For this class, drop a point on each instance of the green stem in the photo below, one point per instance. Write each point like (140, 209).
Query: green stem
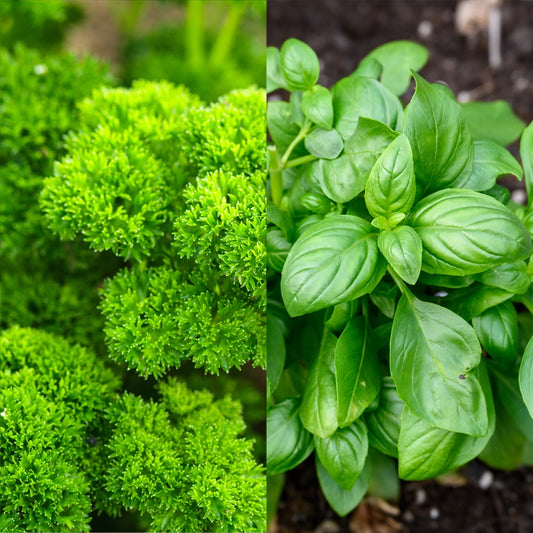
(194, 34)
(300, 161)
(276, 180)
(226, 35)
(301, 135)
(399, 282)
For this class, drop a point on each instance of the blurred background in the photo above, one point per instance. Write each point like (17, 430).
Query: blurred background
(483, 50)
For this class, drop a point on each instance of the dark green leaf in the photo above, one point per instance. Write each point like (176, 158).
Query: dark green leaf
(384, 423)
(317, 106)
(281, 127)
(442, 145)
(299, 65)
(402, 248)
(334, 261)
(398, 59)
(511, 277)
(497, 330)
(319, 404)
(490, 162)
(432, 354)
(475, 299)
(338, 316)
(295, 102)
(277, 248)
(357, 371)
(384, 297)
(465, 232)
(494, 121)
(288, 442)
(275, 350)
(343, 454)
(343, 501)
(526, 154)
(526, 377)
(391, 184)
(359, 96)
(281, 219)
(326, 144)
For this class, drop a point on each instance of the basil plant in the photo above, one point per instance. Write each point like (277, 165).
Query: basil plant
(400, 296)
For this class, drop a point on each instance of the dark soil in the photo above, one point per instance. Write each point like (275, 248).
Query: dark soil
(342, 32)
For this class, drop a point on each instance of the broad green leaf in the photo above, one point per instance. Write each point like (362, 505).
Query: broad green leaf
(288, 442)
(305, 182)
(490, 162)
(359, 96)
(275, 350)
(299, 65)
(465, 232)
(402, 248)
(494, 121)
(432, 354)
(506, 446)
(334, 261)
(500, 193)
(383, 424)
(326, 144)
(277, 249)
(391, 187)
(369, 67)
(384, 482)
(281, 219)
(317, 106)
(319, 404)
(345, 177)
(295, 102)
(525, 376)
(442, 280)
(356, 370)
(281, 127)
(497, 330)
(475, 299)
(275, 79)
(398, 59)
(512, 277)
(338, 316)
(442, 145)
(343, 454)
(526, 154)
(343, 501)
(509, 392)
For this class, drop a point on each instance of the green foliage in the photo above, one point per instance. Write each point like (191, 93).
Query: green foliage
(130, 193)
(389, 241)
(182, 463)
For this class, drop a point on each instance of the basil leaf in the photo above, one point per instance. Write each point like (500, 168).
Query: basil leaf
(343, 501)
(277, 249)
(343, 454)
(369, 67)
(497, 330)
(432, 352)
(281, 127)
(384, 297)
(276, 350)
(345, 177)
(474, 300)
(275, 79)
(512, 277)
(465, 232)
(334, 261)
(494, 121)
(317, 106)
(490, 162)
(281, 219)
(442, 145)
(337, 317)
(398, 59)
(526, 154)
(391, 185)
(295, 102)
(357, 371)
(383, 423)
(442, 280)
(326, 144)
(359, 96)
(525, 376)
(299, 65)
(506, 446)
(319, 404)
(288, 442)
(402, 248)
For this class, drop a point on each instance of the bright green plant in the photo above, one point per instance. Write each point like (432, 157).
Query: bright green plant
(149, 249)
(399, 276)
